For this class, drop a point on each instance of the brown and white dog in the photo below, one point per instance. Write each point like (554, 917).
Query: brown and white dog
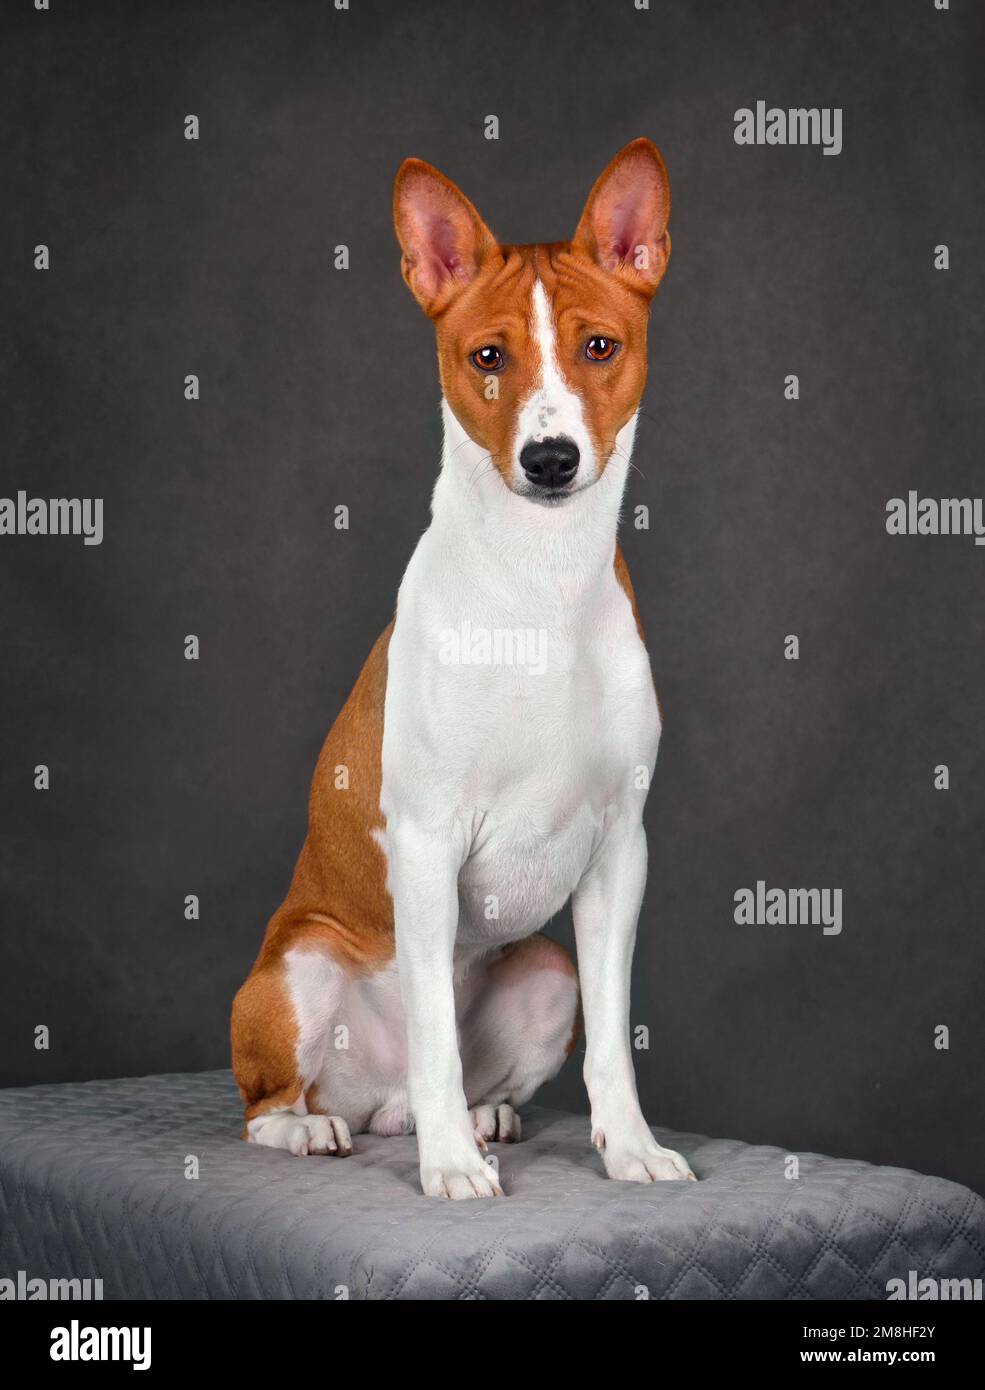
(493, 758)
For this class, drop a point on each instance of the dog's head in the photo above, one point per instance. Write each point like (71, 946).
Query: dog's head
(541, 349)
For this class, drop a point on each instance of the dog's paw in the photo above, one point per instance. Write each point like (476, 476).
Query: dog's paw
(459, 1176)
(319, 1134)
(495, 1124)
(641, 1160)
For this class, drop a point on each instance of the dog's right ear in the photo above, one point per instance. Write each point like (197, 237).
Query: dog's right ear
(443, 238)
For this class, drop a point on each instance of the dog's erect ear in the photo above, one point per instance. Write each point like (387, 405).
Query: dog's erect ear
(444, 240)
(624, 225)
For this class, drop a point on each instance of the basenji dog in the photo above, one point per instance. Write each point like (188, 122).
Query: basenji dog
(494, 755)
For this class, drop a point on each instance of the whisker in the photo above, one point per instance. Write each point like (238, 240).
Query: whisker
(490, 469)
(485, 459)
(491, 460)
(614, 448)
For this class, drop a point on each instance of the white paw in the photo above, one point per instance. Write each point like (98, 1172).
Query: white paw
(319, 1134)
(495, 1124)
(462, 1176)
(641, 1159)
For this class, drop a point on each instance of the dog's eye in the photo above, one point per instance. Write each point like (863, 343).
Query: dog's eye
(600, 349)
(488, 359)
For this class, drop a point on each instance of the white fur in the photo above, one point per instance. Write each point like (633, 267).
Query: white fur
(509, 785)
(498, 781)
(302, 1135)
(351, 1044)
(552, 408)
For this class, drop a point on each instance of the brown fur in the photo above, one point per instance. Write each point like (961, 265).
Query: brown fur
(622, 574)
(337, 901)
(478, 293)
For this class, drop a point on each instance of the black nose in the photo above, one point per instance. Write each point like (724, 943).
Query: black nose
(550, 464)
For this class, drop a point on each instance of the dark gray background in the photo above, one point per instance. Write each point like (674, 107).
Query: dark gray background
(319, 387)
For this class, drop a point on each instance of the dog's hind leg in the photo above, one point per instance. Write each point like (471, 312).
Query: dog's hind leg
(281, 1026)
(521, 1019)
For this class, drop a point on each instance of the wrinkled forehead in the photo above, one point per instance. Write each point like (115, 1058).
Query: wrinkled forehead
(499, 301)
(541, 286)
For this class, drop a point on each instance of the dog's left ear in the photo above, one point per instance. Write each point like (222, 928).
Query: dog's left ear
(624, 224)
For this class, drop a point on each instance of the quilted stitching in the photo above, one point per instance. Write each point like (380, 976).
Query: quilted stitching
(92, 1184)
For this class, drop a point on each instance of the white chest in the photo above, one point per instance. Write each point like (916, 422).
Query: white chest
(527, 727)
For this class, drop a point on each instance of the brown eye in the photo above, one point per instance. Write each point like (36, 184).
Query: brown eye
(600, 349)
(488, 359)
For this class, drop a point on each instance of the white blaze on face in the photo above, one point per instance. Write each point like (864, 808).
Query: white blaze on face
(553, 408)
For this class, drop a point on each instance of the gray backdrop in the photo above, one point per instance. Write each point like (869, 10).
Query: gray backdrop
(318, 387)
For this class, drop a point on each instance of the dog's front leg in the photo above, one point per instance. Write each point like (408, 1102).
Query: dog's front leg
(605, 906)
(424, 867)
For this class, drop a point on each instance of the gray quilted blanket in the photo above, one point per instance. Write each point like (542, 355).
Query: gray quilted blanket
(145, 1184)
